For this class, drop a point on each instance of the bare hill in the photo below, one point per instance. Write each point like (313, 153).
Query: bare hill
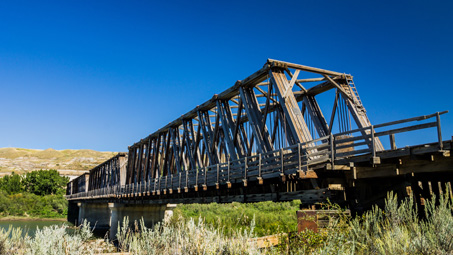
(68, 162)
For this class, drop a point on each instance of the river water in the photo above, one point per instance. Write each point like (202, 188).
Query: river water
(29, 226)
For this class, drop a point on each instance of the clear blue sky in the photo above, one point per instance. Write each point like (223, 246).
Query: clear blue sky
(103, 74)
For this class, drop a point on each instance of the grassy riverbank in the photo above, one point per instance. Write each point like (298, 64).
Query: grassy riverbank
(269, 217)
(395, 229)
(31, 218)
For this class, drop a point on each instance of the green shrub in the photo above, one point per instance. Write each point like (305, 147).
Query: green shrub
(38, 194)
(21, 204)
(44, 182)
(11, 184)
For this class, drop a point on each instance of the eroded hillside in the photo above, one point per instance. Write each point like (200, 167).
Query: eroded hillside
(68, 162)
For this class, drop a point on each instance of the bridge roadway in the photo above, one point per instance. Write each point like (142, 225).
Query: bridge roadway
(256, 142)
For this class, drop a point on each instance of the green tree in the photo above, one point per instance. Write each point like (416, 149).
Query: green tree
(12, 184)
(44, 182)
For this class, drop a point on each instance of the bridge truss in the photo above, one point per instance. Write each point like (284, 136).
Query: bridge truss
(272, 109)
(265, 138)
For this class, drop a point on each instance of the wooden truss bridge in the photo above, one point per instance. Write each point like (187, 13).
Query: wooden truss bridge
(266, 138)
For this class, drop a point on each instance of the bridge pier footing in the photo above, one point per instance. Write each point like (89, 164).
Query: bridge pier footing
(98, 214)
(150, 214)
(73, 213)
(108, 216)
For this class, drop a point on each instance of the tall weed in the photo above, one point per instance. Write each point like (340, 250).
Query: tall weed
(396, 229)
(191, 237)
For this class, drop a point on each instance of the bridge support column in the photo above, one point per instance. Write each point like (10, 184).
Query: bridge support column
(73, 213)
(150, 214)
(98, 214)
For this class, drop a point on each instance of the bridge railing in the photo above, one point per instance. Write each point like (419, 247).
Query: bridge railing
(332, 149)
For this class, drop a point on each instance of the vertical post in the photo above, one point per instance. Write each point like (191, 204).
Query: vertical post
(332, 151)
(259, 165)
(186, 188)
(218, 174)
(245, 169)
(149, 187)
(392, 141)
(179, 182)
(166, 183)
(229, 162)
(160, 180)
(439, 132)
(298, 156)
(373, 153)
(281, 158)
(205, 176)
(196, 178)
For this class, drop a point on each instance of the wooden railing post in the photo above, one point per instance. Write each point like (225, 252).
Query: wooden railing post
(196, 180)
(179, 186)
(218, 177)
(260, 179)
(245, 169)
(332, 151)
(373, 149)
(228, 172)
(281, 158)
(392, 141)
(298, 156)
(205, 178)
(259, 165)
(439, 132)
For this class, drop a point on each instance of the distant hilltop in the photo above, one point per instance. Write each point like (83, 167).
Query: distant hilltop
(68, 162)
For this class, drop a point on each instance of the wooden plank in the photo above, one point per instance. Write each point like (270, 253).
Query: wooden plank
(406, 129)
(419, 118)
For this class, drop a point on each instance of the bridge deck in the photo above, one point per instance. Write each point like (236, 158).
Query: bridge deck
(334, 157)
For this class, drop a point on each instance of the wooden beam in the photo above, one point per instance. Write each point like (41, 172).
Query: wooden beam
(256, 119)
(298, 127)
(316, 115)
(277, 63)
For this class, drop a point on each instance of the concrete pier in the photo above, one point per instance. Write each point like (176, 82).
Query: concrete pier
(108, 216)
(96, 213)
(150, 214)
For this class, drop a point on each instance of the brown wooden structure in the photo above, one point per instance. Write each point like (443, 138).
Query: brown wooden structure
(266, 138)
